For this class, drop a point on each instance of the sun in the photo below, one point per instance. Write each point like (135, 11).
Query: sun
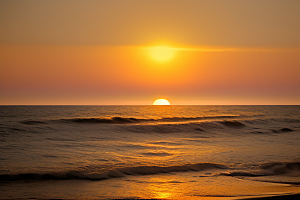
(161, 102)
(161, 53)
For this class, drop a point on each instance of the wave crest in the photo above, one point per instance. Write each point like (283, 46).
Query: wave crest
(121, 172)
(113, 120)
(281, 168)
(121, 120)
(232, 123)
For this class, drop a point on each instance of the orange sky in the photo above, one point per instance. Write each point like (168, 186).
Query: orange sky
(95, 52)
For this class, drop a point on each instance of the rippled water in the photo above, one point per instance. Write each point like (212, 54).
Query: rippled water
(149, 151)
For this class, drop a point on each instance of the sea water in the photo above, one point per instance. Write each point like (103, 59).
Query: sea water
(153, 152)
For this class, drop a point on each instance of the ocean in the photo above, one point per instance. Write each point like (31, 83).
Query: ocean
(149, 152)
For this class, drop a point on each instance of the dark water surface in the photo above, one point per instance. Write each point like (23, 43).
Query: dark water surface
(162, 152)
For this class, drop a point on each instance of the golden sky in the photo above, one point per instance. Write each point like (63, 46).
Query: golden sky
(99, 52)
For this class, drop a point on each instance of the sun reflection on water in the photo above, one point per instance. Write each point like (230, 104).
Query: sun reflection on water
(162, 188)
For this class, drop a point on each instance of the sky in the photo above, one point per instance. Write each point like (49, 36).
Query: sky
(96, 52)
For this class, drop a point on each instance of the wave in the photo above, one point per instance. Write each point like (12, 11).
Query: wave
(283, 130)
(196, 125)
(269, 169)
(232, 123)
(203, 127)
(124, 120)
(242, 174)
(32, 122)
(117, 173)
(266, 169)
(157, 154)
(281, 167)
(128, 120)
(179, 119)
(113, 120)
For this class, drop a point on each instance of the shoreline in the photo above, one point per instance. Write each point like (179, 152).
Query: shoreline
(277, 197)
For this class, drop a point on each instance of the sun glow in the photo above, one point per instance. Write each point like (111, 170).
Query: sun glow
(161, 102)
(161, 53)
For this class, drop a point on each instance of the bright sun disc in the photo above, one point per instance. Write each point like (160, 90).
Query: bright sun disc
(161, 102)
(161, 53)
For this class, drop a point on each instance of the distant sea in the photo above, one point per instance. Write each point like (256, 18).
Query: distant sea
(149, 152)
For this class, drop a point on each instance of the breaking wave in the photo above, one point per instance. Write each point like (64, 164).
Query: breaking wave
(264, 170)
(116, 173)
(281, 168)
(269, 169)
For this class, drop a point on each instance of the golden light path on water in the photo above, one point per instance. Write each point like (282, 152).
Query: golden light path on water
(201, 186)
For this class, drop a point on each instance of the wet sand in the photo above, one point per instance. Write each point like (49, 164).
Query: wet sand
(282, 197)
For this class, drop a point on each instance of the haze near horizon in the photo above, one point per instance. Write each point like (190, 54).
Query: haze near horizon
(133, 52)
